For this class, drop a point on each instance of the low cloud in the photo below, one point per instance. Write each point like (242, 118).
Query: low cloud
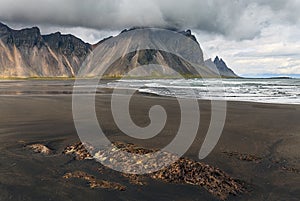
(274, 52)
(236, 19)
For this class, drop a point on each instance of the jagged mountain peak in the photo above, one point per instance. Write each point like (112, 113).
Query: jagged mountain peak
(217, 59)
(33, 32)
(220, 65)
(220, 62)
(58, 36)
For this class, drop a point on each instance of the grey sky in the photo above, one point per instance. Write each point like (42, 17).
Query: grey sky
(258, 36)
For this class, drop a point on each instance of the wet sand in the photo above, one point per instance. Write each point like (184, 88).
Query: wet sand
(259, 146)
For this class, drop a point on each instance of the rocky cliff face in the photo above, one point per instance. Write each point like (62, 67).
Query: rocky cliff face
(27, 53)
(137, 47)
(221, 66)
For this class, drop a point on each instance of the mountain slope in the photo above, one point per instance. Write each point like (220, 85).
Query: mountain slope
(27, 53)
(141, 46)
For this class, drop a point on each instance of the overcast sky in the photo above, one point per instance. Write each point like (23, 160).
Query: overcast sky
(254, 37)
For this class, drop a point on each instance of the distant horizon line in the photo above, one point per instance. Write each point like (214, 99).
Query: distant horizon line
(270, 76)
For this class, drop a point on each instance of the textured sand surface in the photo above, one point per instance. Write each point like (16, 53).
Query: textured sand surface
(259, 146)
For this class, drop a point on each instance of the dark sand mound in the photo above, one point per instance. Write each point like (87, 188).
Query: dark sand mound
(184, 171)
(79, 151)
(93, 182)
(39, 148)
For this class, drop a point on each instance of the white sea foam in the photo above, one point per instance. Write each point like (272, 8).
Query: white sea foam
(284, 91)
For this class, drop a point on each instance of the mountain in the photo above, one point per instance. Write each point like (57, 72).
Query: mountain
(221, 66)
(137, 47)
(27, 53)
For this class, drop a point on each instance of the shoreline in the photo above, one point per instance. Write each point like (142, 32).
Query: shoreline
(67, 90)
(66, 86)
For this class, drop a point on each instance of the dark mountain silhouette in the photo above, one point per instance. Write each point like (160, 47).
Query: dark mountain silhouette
(221, 67)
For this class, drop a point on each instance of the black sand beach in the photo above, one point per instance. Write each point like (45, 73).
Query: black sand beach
(259, 146)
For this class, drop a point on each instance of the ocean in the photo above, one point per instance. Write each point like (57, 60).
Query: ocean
(280, 91)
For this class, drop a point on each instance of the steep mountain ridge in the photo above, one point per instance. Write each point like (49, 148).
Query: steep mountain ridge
(28, 53)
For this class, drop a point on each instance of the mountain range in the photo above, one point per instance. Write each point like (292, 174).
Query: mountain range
(28, 53)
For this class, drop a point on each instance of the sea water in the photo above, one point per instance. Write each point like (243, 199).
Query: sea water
(283, 91)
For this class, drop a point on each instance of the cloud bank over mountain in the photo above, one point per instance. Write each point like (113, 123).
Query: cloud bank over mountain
(238, 19)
